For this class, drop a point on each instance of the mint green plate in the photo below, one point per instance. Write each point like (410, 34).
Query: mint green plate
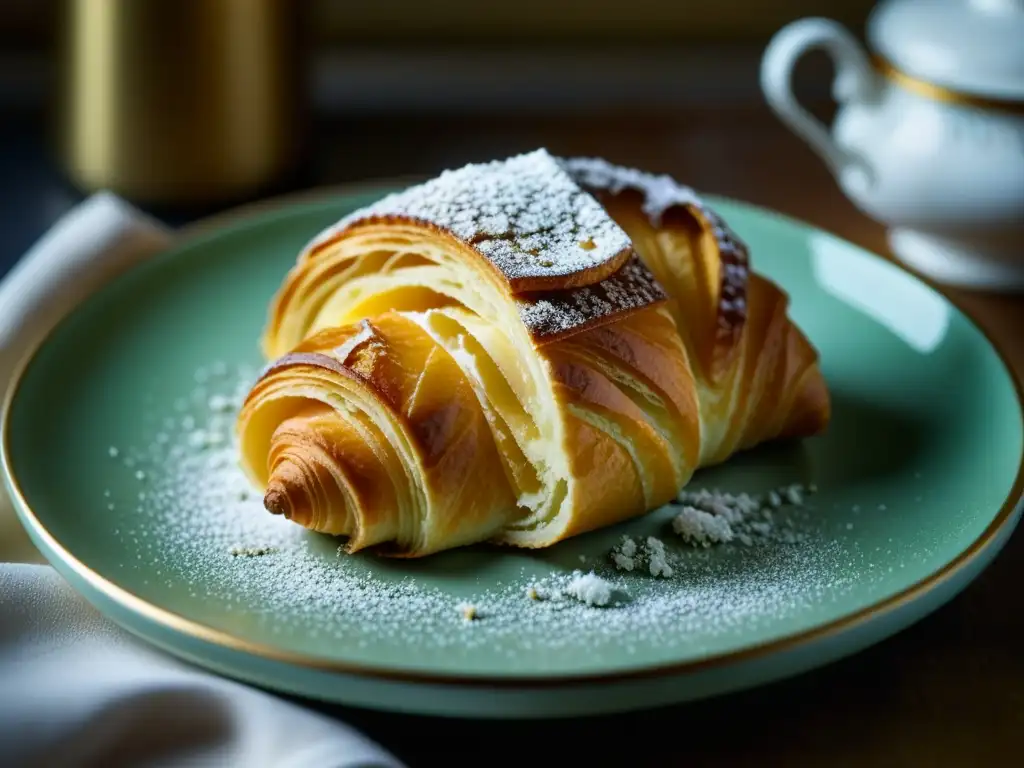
(919, 483)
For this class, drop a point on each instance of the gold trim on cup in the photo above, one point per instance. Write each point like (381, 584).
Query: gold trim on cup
(197, 631)
(941, 93)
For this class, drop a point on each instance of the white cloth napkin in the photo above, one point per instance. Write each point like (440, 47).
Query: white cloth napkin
(92, 243)
(75, 690)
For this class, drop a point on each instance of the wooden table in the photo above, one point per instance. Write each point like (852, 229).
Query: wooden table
(947, 692)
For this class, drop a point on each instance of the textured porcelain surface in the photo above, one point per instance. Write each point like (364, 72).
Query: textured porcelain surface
(918, 478)
(952, 173)
(975, 46)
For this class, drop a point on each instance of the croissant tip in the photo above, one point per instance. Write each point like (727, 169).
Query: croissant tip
(276, 501)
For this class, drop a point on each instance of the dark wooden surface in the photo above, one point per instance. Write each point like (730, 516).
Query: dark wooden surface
(947, 692)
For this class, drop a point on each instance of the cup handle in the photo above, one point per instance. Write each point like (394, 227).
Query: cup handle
(855, 79)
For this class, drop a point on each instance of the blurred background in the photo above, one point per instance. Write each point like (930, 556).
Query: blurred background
(187, 107)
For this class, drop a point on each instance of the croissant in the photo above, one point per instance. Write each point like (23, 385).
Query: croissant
(518, 352)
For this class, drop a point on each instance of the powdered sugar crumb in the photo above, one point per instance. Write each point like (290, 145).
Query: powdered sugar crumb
(589, 588)
(714, 517)
(702, 528)
(657, 562)
(650, 555)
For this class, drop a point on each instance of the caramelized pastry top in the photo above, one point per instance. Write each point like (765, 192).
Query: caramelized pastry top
(661, 195)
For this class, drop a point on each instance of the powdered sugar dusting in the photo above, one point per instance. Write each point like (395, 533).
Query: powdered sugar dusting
(660, 192)
(551, 314)
(202, 536)
(525, 214)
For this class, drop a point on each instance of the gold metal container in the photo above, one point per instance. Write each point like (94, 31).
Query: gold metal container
(179, 101)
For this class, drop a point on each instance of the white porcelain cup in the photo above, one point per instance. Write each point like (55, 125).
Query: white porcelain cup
(943, 169)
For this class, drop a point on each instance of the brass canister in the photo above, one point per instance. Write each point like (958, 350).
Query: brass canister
(179, 101)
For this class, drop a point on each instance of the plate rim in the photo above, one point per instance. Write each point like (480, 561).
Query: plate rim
(196, 232)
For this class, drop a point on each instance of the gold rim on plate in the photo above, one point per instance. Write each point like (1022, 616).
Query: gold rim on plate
(169, 620)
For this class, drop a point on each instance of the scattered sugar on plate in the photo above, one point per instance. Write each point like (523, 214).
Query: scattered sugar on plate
(199, 506)
(251, 551)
